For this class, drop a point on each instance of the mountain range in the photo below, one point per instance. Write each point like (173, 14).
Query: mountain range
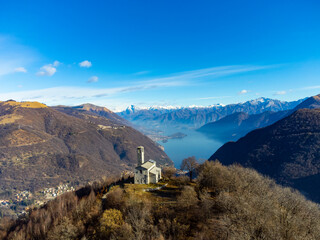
(41, 146)
(287, 150)
(195, 117)
(236, 125)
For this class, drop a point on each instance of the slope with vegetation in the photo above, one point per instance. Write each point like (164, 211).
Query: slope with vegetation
(236, 125)
(42, 147)
(101, 111)
(224, 203)
(287, 151)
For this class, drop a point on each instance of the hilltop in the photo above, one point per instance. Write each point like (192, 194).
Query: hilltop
(311, 103)
(41, 146)
(224, 203)
(12, 103)
(102, 111)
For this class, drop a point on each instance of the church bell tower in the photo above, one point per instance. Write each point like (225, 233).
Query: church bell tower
(140, 153)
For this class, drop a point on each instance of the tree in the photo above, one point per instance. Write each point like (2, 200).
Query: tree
(189, 164)
(110, 221)
(168, 172)
(188, 197)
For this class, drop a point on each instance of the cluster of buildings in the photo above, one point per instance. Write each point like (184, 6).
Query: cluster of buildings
(145, 173)
(111, 127)
(24, 195)
(51, 193)
(17, 199)
(4, 203)
(24, 200)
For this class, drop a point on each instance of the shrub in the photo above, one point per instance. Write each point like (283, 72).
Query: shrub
(181, 181)
(168, 172)
(110, 221)
(188, 197)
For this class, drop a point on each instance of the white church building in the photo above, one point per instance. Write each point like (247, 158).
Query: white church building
(146, 172)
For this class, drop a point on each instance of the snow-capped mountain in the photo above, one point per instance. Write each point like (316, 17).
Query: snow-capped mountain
(196, 116)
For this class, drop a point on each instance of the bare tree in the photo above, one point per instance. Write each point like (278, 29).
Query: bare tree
(188, 197)
(168, 172)
(189, 164)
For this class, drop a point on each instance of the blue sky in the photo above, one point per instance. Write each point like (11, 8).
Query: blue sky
(181, 53)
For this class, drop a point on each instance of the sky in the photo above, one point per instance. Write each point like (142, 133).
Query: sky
(117, 53)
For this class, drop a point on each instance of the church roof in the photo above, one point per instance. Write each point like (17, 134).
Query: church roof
(155, 170)
(147, 165)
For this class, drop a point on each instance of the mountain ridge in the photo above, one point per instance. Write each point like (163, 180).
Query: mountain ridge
(287, 150)
(232, 127)
(40, 147)
(196, 117)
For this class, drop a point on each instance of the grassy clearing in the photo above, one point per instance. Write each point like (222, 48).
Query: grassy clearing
(167, 194)
(11, 118)
(25, 104)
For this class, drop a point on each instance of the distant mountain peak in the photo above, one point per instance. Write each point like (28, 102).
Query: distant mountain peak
(196, 116)
(268, 101)
(311, 103)
(92, 107)
(133, 108)
(263, 100)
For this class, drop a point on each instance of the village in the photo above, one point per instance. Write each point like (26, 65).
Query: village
(22, 201)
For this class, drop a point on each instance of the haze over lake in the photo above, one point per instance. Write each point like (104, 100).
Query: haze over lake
(194, 144)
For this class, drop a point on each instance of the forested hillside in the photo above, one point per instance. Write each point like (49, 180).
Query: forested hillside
(223, 203)
(287, 151)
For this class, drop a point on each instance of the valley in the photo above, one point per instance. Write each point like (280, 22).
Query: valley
(282, 145)
(202, 139)
(159, 120)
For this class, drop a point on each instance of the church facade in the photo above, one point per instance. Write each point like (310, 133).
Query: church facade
(146, 172)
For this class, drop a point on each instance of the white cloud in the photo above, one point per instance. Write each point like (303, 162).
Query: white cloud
(117, 96)
(77, 95)
(244, 91)
(47, 70)
(56, 63)
(280, 93)
(310, 88)
(93, 79)
(213, 72)
(85, 63)
(20, 69)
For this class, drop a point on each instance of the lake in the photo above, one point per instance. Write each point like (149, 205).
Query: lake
(194, 144)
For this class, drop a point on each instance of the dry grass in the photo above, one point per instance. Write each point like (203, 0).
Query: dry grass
(25, 104)
(23, 138)
(11, 118)
(166, 195)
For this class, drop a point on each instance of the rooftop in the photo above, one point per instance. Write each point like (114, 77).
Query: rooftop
(148, 165)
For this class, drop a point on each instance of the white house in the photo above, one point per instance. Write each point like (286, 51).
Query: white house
(146, 172)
